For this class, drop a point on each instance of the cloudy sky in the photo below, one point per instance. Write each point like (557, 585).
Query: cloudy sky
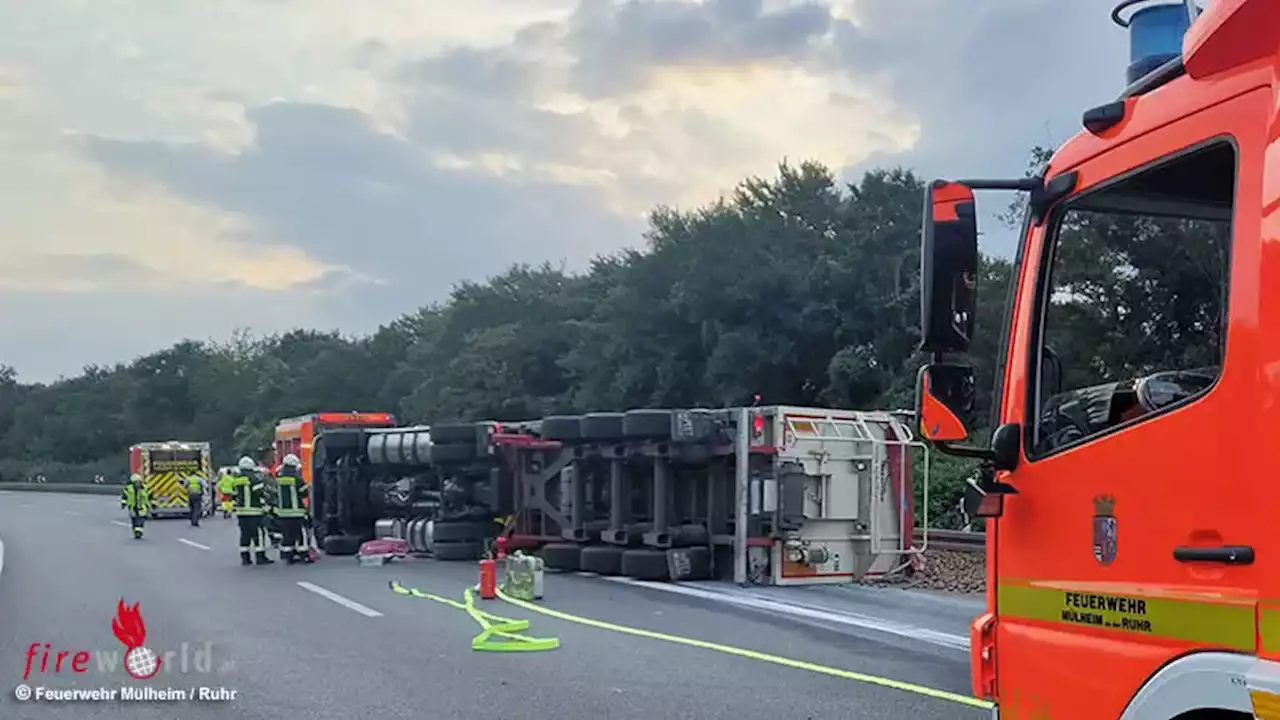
(182, 169)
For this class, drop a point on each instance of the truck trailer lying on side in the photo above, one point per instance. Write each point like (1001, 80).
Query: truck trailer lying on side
(776, 495)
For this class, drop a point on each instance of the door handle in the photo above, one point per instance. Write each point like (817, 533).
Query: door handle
(1227, 554)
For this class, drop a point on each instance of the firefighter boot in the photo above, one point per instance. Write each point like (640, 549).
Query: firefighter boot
(262, 559)
(137, 533)
(245, 559)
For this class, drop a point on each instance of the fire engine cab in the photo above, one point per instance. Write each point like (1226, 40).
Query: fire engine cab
(1133, 552)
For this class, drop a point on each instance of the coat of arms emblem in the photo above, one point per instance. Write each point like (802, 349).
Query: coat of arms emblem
(1104, 529)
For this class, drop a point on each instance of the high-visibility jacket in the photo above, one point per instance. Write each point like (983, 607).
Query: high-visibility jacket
(226, 485)
(247, 493)
(136, 498)
(292, 494)
(195, 485)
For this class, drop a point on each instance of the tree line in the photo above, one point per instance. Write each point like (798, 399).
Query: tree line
(794, 288)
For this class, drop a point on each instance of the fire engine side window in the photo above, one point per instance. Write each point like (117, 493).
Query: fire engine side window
(1134, 310)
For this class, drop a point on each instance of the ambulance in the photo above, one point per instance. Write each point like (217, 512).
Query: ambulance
(165, 467)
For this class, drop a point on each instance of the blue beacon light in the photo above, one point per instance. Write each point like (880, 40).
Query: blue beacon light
(1155, 34)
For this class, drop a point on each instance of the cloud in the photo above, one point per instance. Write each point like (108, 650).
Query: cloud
(366, 158)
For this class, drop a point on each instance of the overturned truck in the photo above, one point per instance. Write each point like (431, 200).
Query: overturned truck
(770, 495)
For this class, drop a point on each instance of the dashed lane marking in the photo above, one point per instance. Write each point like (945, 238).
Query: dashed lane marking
(343, 601)
(755, 602)
(194, 544)
(71, 512)
(121, 523)
(912, 688)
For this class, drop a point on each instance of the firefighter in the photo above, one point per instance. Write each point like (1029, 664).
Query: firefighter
(195, 498)
(226, 490)
(136, 498)
(290, 510)
(250, 508)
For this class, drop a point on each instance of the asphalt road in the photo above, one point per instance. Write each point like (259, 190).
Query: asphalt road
(342, 645)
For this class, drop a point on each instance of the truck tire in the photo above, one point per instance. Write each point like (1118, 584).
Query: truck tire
(690, 536)
(339, 545)
(647, 424)
(562, 556)
(693, 426)
(602, 426)
(463, 531)
(645, 564)
(455, 434)
(458, 551)
(602, 559)
(562, 427)
(594, 528)
(453, 453)
(691, 563)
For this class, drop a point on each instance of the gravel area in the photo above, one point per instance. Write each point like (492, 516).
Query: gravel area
(948, 570)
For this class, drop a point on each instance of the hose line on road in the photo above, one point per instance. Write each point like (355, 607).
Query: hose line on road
(752, 655)
(505, 630)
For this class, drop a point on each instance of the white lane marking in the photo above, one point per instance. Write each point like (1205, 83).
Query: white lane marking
(121, 523)
(194, 544)
(71, 512)
(344, 602)
(934, 637)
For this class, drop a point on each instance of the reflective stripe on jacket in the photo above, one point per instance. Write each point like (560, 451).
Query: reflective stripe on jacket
(247, 494)
(137, 498)
(292, 492)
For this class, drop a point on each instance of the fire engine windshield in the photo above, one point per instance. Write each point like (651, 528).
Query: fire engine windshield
(1133, 309)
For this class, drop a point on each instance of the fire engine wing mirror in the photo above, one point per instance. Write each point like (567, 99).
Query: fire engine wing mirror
(948, 268)
(944, 399)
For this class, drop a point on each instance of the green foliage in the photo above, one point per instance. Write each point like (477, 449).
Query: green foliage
(793, 288)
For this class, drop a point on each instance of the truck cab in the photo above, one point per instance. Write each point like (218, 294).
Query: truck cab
(1131, 538)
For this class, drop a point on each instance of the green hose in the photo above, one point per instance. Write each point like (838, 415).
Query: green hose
(497, 634)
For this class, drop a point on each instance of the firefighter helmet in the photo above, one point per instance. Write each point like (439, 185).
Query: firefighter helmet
(246, 463)
(291, 460)
(135, 478)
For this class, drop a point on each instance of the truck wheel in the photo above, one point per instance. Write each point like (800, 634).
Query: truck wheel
(602, 426)
(692, 563)
(689, 536)
(562, 427)
(602, 559)
(457, 434)
(562, 556)
(341, 545)
(647, 424)
(458, 551)
(463, 531)
(645, 564)
(453, 453)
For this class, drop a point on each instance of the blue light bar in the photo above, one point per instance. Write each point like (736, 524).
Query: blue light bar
(1155, 38)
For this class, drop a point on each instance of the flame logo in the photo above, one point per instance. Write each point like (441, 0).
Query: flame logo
(129, 628)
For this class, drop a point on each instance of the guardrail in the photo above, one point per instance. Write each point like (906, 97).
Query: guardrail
(954, 540)
(76, 488)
